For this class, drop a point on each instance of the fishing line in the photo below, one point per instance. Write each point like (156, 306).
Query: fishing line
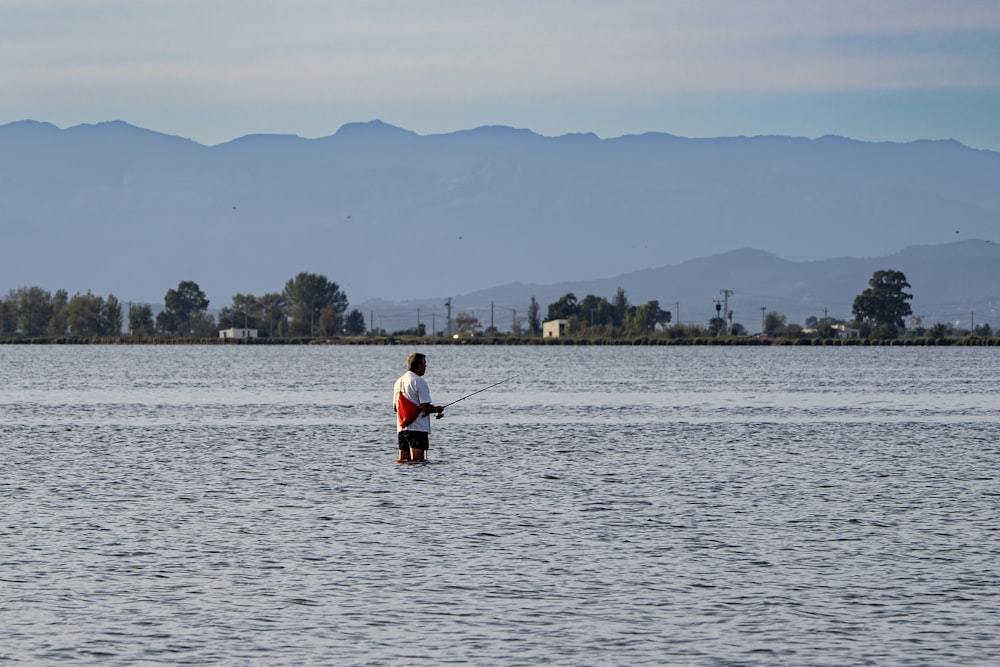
(478, 391)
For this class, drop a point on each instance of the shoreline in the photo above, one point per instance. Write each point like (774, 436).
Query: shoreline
(750, 341)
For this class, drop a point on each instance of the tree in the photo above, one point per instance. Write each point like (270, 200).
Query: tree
(419, 330)
(466, 323)
(203, 325)
(717, 326)
(884, 303)
(645, 318)
(34, 310)
(306, 295)
(774, 323)
(938, 331)
(589, 310)
(58, 324)
(597, 311)
(8, 318)
(184, 310)
(620, 305)
(85, 315)
(534, 318)
(273, 315)
(657, 317)
(565, 308)
(113, 319)
(140, 320)
(242, 314)
(354, 325)
(329, 321)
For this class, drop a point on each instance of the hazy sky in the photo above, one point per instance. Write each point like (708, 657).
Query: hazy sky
(213, 70)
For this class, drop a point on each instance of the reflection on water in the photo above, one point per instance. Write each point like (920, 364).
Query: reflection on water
(701, 506)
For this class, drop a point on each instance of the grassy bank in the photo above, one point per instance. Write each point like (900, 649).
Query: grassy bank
(977, 341)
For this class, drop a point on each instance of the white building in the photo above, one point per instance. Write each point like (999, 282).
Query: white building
(237, 334)
(844, 331)
(554, 328)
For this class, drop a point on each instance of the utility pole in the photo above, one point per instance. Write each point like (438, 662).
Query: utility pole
(447, 304)
(433, 323)
(492, 328)
(763, 318)
(418, 320)
(677, 317)
(725, 308)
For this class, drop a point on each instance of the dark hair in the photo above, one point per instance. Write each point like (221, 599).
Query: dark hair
(414, 360)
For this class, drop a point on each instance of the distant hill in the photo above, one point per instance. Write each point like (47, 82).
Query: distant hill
(390, 214)
(949, 283)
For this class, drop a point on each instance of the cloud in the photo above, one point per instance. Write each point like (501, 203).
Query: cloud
(447, 47)
(158, 60)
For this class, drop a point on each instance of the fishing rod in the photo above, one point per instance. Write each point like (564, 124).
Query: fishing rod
(478, 391)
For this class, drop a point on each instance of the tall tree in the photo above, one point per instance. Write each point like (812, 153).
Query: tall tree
(354, 325)
(774, 323)
(620, 304)
(656, 316)
(184, 309)
(307, 295)
(884, 303)
(589, 310)
(273, 316)
(534, 318)
(58, 323)
(85, 315)
(140, 320)
(34, 310)
(113, 319)
(8, 318)
(330, 321)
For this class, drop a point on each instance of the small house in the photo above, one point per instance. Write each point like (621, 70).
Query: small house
(236, 334)
(844, 331)
(554, 328)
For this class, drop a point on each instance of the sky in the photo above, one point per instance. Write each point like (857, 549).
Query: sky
(215, 70)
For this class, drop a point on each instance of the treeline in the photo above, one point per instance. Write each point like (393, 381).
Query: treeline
(881, 313)
(309, 305)
(312, 306)
(615, 317)
(33, 312)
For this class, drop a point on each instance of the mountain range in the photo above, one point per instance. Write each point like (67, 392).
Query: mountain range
(496, 213)
(956, 283)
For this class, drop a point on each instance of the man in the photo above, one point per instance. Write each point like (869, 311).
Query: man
(411, 401)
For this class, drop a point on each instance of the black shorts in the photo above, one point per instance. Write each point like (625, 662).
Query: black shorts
(413, 440)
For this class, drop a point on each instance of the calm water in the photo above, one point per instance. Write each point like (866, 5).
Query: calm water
(610, 506)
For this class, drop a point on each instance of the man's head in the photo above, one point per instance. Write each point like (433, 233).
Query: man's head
(416, 362)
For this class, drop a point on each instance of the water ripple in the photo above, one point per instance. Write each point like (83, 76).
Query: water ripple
(177, 506)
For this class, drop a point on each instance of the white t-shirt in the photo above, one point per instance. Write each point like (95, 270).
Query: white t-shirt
(415, 389)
